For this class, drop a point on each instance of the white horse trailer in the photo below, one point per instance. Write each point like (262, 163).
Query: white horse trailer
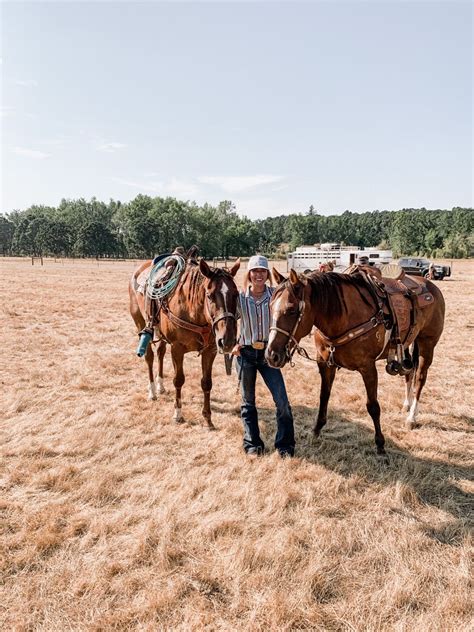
(309, 258)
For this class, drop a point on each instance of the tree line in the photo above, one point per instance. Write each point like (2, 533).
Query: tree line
(150, 225)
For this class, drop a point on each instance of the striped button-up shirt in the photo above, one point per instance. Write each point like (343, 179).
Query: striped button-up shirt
(254, 317)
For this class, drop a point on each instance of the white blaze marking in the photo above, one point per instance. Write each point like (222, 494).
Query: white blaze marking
(275, 316)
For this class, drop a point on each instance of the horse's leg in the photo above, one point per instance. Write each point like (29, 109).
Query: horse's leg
(207, 360)
(140, 324)
(160, 352)
(177, 355)
(327, 378)
(408, 390)
(425, 358)
(370, 377)
(149, 355)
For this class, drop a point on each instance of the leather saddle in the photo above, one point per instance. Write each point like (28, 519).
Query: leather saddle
(400, 296)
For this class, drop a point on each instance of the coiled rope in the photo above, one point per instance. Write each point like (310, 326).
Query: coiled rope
(155, 288)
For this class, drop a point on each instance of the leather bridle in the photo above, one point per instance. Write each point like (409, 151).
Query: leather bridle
(289, 352)
(217, 318)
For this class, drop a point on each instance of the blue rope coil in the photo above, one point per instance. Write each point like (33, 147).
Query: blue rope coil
(158, 290)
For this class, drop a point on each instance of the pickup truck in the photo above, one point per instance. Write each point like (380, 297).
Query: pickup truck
(418, 266)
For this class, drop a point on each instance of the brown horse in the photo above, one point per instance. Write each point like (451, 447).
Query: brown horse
(199, 316)
(339, 305)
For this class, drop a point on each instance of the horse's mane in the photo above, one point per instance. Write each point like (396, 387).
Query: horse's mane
(196, 279)
(328, 291)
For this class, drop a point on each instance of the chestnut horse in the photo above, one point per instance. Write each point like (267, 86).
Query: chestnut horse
(336, 304)
(199, 316)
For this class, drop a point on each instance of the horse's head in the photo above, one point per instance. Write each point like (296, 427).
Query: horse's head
(221, 303)
(288, 310)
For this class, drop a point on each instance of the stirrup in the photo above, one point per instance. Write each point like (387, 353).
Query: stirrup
(393, 367)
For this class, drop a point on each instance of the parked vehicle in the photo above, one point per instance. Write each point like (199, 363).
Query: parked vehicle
(418, 266)
(308, 258)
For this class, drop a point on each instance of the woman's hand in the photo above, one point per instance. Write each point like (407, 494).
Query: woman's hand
(236, 350)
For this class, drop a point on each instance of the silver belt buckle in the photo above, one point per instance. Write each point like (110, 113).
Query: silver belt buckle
(258, 345)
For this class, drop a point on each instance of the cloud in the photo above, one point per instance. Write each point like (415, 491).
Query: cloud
(260, 207)
(173, 187)
(181, 188)
(110, 147)
(236, 184)
(6, 110)
(30, 153)
(27, 83)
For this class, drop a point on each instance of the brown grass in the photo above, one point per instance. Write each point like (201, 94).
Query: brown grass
(114, 518)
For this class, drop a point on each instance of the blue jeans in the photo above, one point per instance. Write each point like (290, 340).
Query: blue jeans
(249, 362)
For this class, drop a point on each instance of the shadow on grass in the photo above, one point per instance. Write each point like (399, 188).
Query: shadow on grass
(347, 448)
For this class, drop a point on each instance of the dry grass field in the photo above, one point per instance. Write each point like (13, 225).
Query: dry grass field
(115, 518)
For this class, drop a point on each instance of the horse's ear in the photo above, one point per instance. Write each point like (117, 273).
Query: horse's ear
(205, 269)
(295, 280)
(277, 277)
(235, 268)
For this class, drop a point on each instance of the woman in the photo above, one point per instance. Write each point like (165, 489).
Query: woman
(250, 351)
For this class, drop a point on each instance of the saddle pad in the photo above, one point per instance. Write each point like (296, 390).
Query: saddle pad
(142, 280)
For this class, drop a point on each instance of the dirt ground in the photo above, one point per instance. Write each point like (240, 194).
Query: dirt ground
(116, 518)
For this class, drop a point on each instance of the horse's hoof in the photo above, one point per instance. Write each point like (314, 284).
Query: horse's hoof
(178, 416)
(410, 424)
(383, 457)
(209, 425)
(152, 397)
(152, 391)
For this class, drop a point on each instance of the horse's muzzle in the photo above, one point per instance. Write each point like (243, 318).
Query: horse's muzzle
(276, 359)
(225, 344)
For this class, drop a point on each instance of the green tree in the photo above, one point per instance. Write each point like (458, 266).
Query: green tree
(7, 229)
(95, 239)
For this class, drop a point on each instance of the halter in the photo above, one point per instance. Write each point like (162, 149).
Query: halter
(219, 317)
(215, 320)
(291, 334)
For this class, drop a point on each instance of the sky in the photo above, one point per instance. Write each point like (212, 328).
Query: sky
(273, 105)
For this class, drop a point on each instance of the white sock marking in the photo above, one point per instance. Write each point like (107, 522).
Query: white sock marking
(411, 419)
(152, 391)
(409, 395)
